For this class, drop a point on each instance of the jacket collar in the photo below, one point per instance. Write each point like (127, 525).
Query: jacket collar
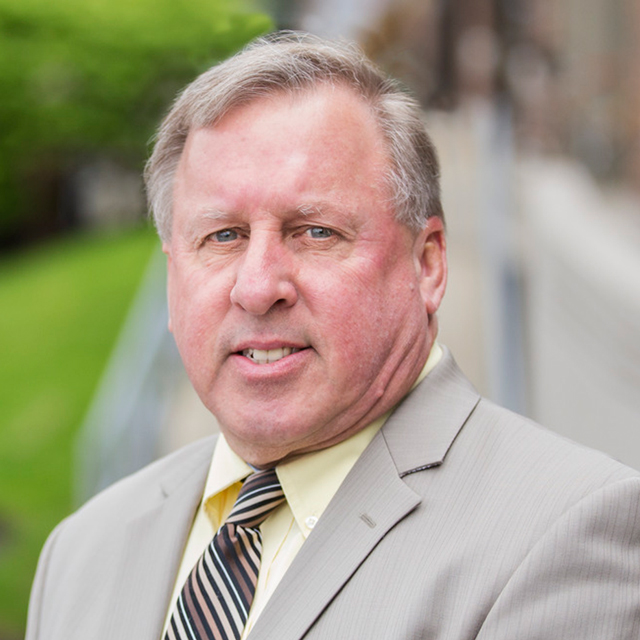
(423, 427)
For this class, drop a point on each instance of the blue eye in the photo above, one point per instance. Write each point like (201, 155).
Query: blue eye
(319, 232)
(226, 235)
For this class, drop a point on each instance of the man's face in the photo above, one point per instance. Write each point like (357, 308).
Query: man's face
(299, 305)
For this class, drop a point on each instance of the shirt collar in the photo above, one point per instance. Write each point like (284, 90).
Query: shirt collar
(310, 481)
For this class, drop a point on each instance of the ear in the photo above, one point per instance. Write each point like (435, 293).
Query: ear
(430, 254)
(166, 249)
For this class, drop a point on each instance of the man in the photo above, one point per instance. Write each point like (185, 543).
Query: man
(296, 195)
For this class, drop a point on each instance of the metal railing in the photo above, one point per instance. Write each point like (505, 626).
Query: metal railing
(121, 431)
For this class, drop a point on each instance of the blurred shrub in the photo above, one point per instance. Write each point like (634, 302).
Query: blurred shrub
(87, 78)
(63, 303)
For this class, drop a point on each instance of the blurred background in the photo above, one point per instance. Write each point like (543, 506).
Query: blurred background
(535, 108)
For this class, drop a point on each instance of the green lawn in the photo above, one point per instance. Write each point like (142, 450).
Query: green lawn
(61, 306)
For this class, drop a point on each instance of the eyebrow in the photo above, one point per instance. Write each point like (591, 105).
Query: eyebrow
(199, 223)
(309, 209)
(319, 208)
(213, 215)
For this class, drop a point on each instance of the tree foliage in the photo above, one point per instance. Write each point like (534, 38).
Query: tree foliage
(81, 78)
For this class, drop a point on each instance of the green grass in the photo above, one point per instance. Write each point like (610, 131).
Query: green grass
(61, 307)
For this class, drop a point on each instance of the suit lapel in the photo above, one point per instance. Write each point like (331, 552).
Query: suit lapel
(152, 547)
(425, 424)
(372, 499)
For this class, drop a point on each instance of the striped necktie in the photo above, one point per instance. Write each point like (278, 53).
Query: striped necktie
(215, 600)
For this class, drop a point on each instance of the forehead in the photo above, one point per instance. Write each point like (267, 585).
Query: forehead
(325, 114)
(325, 141)
(345, 106)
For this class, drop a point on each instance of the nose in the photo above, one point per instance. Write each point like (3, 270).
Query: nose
(264, 278)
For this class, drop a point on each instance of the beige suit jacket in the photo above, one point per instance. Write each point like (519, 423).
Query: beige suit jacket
(459, 521)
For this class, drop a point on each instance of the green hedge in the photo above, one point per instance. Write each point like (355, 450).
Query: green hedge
(62, 307)
(86, 78)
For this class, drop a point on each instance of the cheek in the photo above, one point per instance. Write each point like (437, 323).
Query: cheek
(359, 310)
(195, 305)
(388, 305)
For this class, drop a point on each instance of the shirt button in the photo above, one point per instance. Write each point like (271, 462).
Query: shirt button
(311, 522)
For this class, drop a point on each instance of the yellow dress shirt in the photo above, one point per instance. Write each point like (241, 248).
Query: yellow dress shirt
(309, 483)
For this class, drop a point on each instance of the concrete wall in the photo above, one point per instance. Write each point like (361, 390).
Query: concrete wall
(581, 249)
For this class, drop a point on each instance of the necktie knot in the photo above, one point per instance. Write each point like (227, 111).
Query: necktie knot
(261, 493)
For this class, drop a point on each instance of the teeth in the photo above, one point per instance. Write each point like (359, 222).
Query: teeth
(260, 356)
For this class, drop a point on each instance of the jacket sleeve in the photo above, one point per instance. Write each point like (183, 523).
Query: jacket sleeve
(581, 581)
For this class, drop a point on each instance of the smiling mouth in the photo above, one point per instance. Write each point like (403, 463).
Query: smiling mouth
(261, 356)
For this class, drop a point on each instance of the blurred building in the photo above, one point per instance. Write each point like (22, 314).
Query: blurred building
(540, 150)
(570, 68)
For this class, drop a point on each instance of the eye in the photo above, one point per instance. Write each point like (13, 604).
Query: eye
(319, 233)
(225, 235)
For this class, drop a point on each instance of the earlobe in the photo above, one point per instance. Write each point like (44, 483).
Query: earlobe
(431, 259)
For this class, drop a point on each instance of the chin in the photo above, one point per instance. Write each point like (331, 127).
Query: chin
(260, 456)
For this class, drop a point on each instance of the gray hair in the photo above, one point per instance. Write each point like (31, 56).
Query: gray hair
(291, 62)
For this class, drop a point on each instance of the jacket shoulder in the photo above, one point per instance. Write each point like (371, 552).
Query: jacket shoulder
(128, 496)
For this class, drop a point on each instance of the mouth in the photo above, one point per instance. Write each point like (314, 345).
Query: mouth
(267, 356)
